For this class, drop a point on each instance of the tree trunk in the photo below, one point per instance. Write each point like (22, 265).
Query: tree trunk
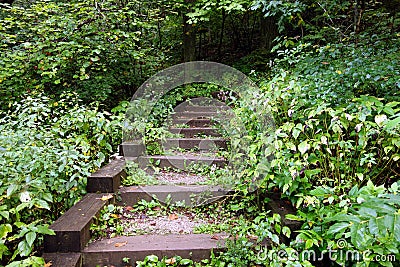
(269, 31)
(189, 36)
(355, 18)
(221, 36)
(358, 15)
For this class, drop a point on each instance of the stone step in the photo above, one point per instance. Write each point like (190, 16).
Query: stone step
(195, 114)
(200, 143)
(191, 132)
(63, 259)
(197, 108)
(132, 148)
(108, 178)
(191, 195)
(72, 229)
(181, 162)
(193, 122)
(110, 252)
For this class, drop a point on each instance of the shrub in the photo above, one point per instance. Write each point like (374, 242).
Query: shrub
(363, 224)
(47, 150)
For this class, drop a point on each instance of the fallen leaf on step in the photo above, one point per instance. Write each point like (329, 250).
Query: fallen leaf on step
(48, 264)
(215, 237)
(172, 217)
(170, 261)
(116, 216)
(117, 245)
(129, 208)
(106, 197)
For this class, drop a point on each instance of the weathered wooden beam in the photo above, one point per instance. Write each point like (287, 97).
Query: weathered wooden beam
(108, 178)
(191, 132)
(72, 229)
(63, 259)
(110, 252)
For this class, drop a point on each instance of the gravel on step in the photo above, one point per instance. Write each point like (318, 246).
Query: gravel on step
(179, 178)
(162, 225)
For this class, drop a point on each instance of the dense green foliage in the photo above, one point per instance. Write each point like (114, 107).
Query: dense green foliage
(48, 148)
(98, 51)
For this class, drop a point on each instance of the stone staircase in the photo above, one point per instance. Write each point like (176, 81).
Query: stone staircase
(70, 246)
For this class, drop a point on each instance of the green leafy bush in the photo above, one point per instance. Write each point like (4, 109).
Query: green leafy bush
(91, 48)
(364, 222)
(47, 151)
(339, 146)
(328, 131)
(338, 72)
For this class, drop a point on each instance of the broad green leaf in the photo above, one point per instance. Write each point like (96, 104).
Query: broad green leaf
(389, 110)
(23, 248)
(42, 204)
(381, 226)
(42, 229)
(373, 227)
(386, 263)
(319, 192)
(11, 189)
(275, 238)
(303, 147)
(357, 238)
(151, 258)
(344, 218)
(380, 204)
(5, 214)
(368, 212)
(360, 176)
(185, 262)
(4, 230)
(285, 188)
(388, 221)
(294, 217)
(396, 231)
(337, 227)
(30, 238)
(296, 132)
(286, 231)
(353, 191)
(391, 124)
(278, 228)
(3, 249)
(309, 243)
